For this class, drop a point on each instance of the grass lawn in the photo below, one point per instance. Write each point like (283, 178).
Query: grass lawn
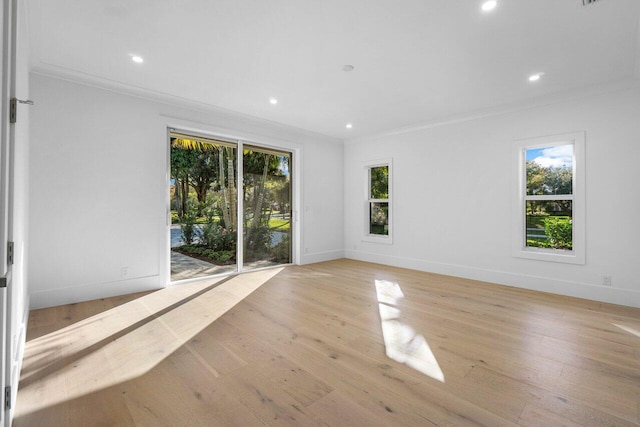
(278, 224)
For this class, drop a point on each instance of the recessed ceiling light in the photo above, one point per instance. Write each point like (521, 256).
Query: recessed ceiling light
(348, 68)
(273, 101)
(137, 59)
(535, 77)
(349, 126)
(489, 5)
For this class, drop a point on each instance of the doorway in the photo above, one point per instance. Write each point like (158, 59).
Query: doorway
(230, 206)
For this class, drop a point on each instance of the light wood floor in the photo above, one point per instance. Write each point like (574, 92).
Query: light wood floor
(309, 347)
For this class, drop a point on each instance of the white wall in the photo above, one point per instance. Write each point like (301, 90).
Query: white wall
(452, 198)
(99, 185)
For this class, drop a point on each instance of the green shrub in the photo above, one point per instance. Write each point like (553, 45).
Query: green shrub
(189, 231)
(257, 242)
(223, 256)
(203, 252)
(193, 249)
(281, 251)
(560, 232)
(537, 243)
(215, 236)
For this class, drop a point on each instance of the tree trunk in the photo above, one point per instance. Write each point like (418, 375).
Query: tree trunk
(185, 195)
(232, 189)
(201, 194)
(223, 190)
(176, 191)
(257, 211)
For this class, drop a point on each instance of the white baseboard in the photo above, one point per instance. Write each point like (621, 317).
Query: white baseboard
(606, 294)
(70, 295)
(62, 296)
(321, 257)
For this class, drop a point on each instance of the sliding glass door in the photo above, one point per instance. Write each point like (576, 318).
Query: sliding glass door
(206, 212)
(203, 194)
(266, 198)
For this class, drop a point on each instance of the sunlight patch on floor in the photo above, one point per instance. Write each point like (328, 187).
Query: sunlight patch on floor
(401, 342)
(127, 341)
(629, 329)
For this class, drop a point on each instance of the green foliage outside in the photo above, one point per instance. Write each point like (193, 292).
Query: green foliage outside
(548, 180)
(379, 211)
(211, 242)
(553, 232)
(203, 195)
(215, 236)
(281, 252)
(379, 219)
(379, 182)
(549, 222)
(211, 255)
(560, 232)
(188, 226)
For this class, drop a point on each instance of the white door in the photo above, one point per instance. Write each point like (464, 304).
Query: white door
(13, 199)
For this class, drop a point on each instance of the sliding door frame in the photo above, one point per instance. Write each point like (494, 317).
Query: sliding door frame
(295, 153)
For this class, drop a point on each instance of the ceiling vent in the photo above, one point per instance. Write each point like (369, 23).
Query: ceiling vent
(588, 2)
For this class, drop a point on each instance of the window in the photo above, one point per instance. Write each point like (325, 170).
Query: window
(549, 219)
(378, 205)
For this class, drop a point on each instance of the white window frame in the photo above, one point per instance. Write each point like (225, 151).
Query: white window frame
(519, 248)
(377, 238)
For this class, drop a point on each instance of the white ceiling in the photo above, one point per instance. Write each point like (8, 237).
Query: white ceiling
(416, 61)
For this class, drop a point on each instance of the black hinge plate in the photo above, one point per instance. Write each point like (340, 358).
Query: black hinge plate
(13, 110)
(10, 253)
(7, 397)
(3, 282)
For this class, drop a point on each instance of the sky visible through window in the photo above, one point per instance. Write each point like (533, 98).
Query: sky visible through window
(555, 156)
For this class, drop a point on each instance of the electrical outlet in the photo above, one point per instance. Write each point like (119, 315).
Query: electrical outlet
(606, 280)
(124, 272)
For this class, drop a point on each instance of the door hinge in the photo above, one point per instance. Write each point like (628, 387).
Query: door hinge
(3, 282)
(13, 108)
(7, 397)
(10, 253)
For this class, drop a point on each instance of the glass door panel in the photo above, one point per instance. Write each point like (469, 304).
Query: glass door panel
(267, 207)
(203, 197)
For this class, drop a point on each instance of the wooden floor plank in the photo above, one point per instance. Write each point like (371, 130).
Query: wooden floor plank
(307, 345)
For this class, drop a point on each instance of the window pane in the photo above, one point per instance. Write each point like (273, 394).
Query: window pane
(379, 218)
(266, 192)
(379, 182)
(202, 190)
(550, 170)
(549, 224)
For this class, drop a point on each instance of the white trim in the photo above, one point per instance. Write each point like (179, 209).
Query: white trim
(239, 207)
(595, 292)
(375, 238)
(91, 291)
(311, 258)
(518, 247)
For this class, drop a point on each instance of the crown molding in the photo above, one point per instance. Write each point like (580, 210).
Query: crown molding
(85, 79)
(543, 101)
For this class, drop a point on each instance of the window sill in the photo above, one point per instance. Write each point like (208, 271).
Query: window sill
(552, 255)
(372, 238)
